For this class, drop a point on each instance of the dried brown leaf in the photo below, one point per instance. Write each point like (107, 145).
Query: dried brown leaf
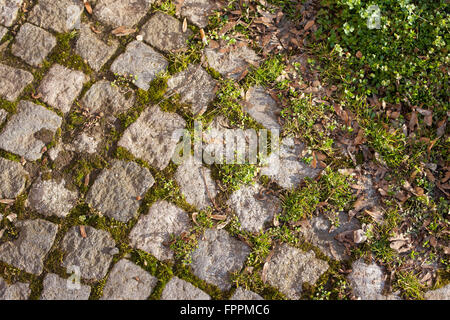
(7, 201)
(123, 31)
(184, 29)
(83, 232)
(308, 25)
(88, 7)
(219, 217)
(203, 37)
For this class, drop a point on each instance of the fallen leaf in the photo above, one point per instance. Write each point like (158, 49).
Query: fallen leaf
(122, 31)
(360, 203)
(88, 7)
(219, 217)
(308, 25)
(359, 54)
(203, 37)
(314, 160)
(86, 180)
(227, 27)
(428, 114)
(95, 30)
(360, 137)
(441, 127)
(213, 44)
(194, 217)
(413, 122)
(446, 177)
(377, 215)
(433, 241)
(36, 96)
(184, 25)
(83, 232)
(7, 201)
(400, 243)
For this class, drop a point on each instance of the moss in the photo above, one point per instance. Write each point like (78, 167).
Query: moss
(252, 281)
(181, 60)
(213, 73)
(123, 154)
(12, 275)
(9, 156)
(118, 230)
(64, 55)
(97, 289)
(161, 270)
(11, 107)
(81, 168)
(157, 88)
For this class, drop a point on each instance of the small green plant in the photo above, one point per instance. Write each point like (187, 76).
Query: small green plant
(390, 144)
(123, 81)
(408, 283)
(332, 189)
(234, 176)
(301, 203)
(268, 73)
(183, 246)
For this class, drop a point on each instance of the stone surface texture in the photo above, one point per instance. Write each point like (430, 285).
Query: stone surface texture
(261, 107)
(286, 167)
(367, 281)
(95, 51)
(16, 291)
(61, 86)
(178, 289)
(320, 233)
(116, 192)
(141, 62)
(196, 183)
(439, 294)
(60, 16)
(165, 33)
(197, 11)
(12, 179)
(195, 87)
(103, 96)
(33, 44)
(51, 198)
(8, 11)
(28, 251)
(154, 136)
(243, 294)
(218, 254)
(152, 233)
(56, 288)
(232, 61)
(128, 281)
(13, 81)
(21, 133)
(290, 267)
(121, 13)
(253, 208)
(92, 254)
